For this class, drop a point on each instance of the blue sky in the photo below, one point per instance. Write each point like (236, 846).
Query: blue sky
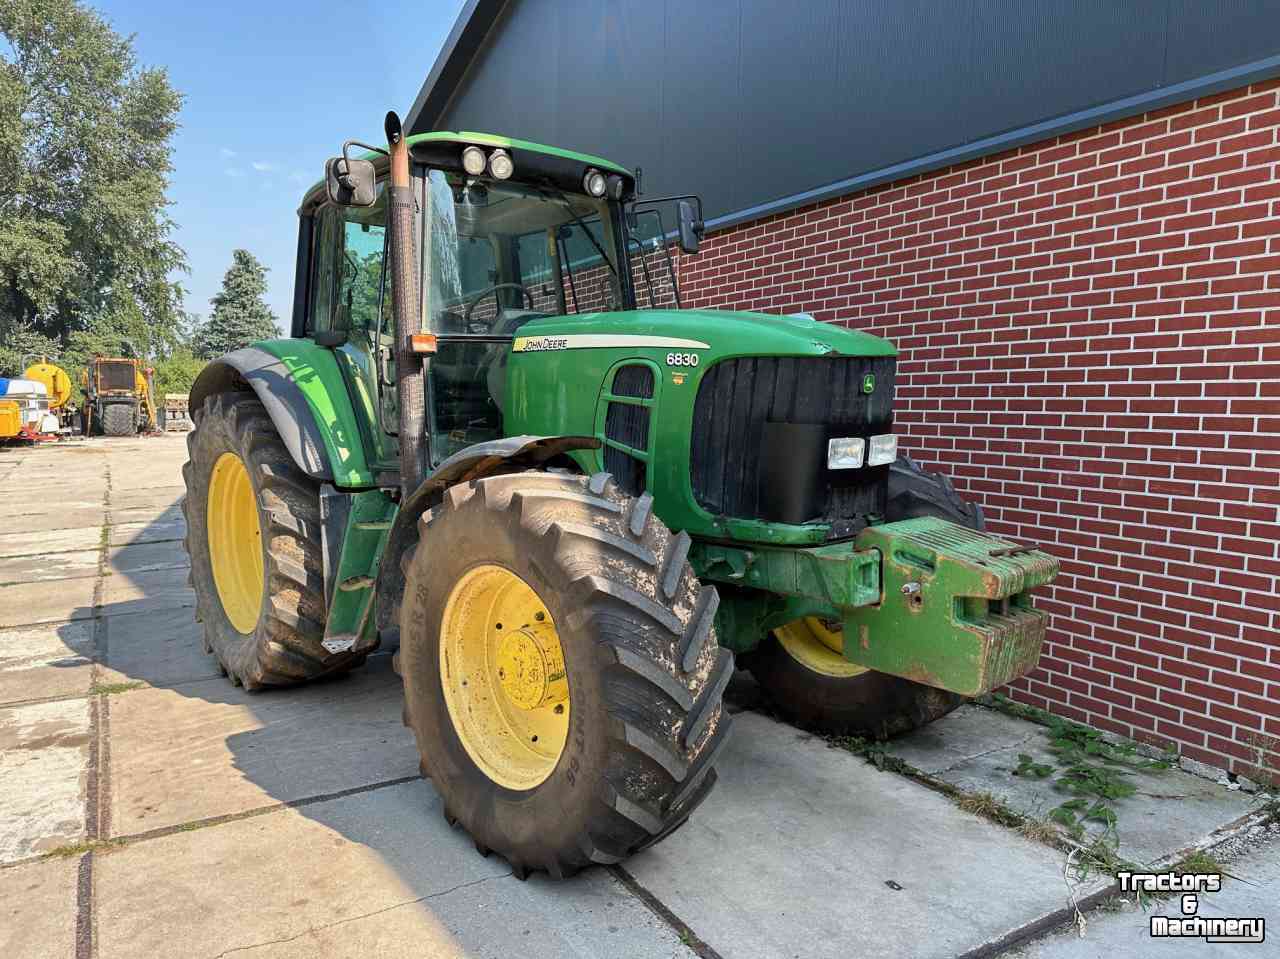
(272, 88)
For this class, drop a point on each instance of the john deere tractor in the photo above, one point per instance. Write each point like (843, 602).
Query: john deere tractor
(494, 440)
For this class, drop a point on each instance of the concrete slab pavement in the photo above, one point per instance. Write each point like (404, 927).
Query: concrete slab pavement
(208, 749)
(795, 851)
(976, 749)
(38, 910)
(44, 765)
(44, 662)
(158, 647)
(1126, 931)
(23, 604)
(141, 591)
(27, 542)
(374, 874)
(146, 557)
(169, 527)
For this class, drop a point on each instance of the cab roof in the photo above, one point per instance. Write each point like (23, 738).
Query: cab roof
(444, 148)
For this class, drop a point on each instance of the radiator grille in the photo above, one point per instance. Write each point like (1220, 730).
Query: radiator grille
(628, 424)
(738, 397)
(115, 375)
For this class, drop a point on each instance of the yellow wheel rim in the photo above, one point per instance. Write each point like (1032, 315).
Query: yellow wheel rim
(815, 645)
(503, 675)
(235, 542)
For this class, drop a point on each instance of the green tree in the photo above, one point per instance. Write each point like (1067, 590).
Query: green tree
(176, 372)
(85, 160)
(240, 313)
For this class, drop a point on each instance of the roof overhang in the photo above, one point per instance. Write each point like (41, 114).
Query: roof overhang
(474, 23)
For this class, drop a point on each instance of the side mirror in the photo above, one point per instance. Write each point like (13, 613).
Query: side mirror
(691, 228)
(350, 182)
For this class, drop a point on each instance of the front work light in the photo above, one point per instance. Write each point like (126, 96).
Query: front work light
(845, 453)
(594, 183)
(473, 160)
(501, 165)
(883, 450)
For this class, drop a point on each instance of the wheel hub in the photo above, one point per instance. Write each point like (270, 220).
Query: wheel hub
(503, 676)
(531, 667)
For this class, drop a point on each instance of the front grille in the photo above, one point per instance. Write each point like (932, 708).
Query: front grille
(628, 424)
(807, 400)
(115, 375)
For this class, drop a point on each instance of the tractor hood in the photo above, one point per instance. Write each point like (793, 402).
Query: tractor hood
(727, 333)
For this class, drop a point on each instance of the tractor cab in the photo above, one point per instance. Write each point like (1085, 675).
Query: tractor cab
(509, 233)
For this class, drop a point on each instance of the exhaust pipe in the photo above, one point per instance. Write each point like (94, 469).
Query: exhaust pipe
(410, 378)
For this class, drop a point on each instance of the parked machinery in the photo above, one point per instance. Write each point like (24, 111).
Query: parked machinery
(573, 512)
(58, 387)
(118, 398)
(24, 411)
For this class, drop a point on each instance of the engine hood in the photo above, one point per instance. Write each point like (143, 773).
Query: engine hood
(726, 332)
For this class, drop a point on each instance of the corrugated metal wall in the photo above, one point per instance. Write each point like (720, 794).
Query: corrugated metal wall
(751, 101)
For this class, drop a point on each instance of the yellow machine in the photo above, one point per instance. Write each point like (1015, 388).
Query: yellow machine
(55, 380)
(118, 398)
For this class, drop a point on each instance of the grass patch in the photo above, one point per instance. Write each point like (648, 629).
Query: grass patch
(83, 846)
(112, 689)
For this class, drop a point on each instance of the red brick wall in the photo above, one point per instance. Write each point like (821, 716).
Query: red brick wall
(1089, 336)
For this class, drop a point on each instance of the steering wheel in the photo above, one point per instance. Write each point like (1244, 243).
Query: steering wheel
(475, 301)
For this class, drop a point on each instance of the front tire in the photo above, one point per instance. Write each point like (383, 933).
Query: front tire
(802, 672)
(630, 754)
(119, 419)
(253, 537)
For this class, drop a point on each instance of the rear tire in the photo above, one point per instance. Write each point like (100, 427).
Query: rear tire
(119, 419)
(282, 645)
(825, 692)
(643, 719)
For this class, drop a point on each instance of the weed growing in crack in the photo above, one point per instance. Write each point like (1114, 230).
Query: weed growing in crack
(1093, 769)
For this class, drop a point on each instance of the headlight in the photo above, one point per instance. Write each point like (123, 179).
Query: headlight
(884, 449)
(594, 183)
(845, 453)
(473, 160)
(501, 165)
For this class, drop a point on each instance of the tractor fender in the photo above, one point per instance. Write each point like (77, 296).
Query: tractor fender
(270, 379)
(475, 462)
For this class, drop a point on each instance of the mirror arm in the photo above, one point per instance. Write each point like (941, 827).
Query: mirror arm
(344, 177)
(699, 225)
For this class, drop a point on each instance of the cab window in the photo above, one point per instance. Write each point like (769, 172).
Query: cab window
(347, 268)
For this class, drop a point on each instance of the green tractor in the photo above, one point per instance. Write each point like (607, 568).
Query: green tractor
(488, 440)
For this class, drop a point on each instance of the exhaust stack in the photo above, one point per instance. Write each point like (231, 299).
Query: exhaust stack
(410, 379)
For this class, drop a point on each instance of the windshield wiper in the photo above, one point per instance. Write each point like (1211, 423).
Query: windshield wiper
(564, 201)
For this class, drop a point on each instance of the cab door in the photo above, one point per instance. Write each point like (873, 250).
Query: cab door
(351, 312)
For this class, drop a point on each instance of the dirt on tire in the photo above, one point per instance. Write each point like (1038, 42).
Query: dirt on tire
(645, 672)
(285, 646)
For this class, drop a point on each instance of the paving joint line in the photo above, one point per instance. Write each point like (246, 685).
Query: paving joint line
(86, 942)
(121, 842)
(688, 937)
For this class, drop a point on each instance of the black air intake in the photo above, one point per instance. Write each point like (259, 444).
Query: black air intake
(628, 424)
(789, 400)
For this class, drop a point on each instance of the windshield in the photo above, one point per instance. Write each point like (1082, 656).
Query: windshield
(503, 253)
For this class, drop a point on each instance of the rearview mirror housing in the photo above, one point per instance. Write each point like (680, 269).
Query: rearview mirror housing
(350, 182)
(691, 228)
